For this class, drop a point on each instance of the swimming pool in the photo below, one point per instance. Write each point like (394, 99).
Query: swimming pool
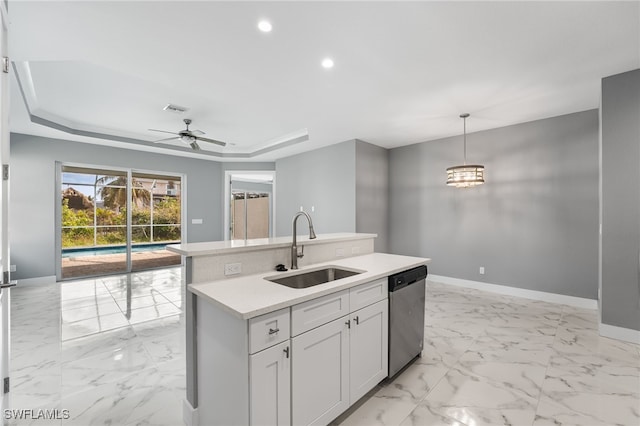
(97, 251)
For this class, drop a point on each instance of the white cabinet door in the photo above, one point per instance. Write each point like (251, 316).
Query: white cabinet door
(320, 376)
(270, 389)
(368, 348)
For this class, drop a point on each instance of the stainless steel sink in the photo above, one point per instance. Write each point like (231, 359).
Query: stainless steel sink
(314, 277)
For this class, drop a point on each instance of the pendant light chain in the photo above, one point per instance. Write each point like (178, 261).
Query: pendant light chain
(464, 120)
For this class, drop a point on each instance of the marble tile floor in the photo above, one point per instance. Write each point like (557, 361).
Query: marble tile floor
(491, 359)
(111, 351)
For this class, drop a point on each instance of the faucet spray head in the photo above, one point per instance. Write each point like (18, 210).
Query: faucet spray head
(312, 234)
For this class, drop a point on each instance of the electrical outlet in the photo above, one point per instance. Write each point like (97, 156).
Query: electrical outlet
(339, 252)
(355, 250)
(313, 209)
(301, 208)
(12, 268)
(482, 270)
(232, 268)
(196, 221)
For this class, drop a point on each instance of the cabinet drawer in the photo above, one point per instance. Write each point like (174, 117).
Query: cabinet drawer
(268, 330)
(367, 294)
(316, 312)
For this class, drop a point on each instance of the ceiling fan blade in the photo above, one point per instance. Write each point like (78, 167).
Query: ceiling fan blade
(196, 132)
(167, 139)
(211, 141)
(162, 131)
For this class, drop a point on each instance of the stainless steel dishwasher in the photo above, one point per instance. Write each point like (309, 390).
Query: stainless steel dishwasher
(406, 317)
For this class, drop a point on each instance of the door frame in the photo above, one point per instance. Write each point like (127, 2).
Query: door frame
(226, 205)
(129, 171)
(5, 253)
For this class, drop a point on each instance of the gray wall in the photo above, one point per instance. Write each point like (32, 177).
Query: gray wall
(372, 193)
(323, 178)
(533, 225)
(620, 202)
(34, 195)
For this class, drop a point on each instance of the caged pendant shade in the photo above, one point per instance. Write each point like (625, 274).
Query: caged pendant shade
(466, 175)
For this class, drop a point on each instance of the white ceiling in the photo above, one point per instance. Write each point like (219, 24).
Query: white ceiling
(403, 73)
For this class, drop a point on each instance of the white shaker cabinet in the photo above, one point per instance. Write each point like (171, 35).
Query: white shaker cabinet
(337, 363)
(270, 386)
(320, 381)
(368, 349)
(299, 365)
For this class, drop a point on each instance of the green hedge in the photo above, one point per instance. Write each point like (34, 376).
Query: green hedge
(165, 212)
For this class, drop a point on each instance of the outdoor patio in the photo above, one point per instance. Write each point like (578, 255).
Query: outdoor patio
(85, 266)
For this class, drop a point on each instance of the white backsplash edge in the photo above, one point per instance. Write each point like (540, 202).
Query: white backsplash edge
(211, 268)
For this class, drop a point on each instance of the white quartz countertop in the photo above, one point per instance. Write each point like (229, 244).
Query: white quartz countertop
(237, 246)
(252, 295)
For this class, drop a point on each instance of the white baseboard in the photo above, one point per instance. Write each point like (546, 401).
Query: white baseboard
(189, 414)
(578, 302)
(620, 333)
(51, 279)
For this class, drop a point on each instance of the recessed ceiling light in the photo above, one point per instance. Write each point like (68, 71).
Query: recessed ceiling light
(327, 63)
(265, 26)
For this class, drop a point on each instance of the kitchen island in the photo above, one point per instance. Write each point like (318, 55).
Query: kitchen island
(265, 353)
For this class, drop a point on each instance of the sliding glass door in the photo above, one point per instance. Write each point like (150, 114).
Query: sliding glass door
(115, 221)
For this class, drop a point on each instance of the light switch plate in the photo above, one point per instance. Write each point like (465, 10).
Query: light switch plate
(339, 252)
(196, 221)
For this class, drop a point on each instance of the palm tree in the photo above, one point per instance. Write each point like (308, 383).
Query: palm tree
(114, 192)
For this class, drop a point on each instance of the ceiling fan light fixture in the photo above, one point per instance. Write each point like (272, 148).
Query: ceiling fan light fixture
(466, 175)
(187, 139)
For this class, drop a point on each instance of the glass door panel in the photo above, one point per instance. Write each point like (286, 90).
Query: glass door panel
(249, 215)
(156, 217)
(94, 222)
(237, 215)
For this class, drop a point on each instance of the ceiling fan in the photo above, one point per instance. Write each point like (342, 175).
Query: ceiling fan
(189, 137)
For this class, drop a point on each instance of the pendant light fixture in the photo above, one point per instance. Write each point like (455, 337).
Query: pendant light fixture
(466, 175)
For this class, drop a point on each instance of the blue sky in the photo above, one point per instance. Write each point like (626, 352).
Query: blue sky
(81, 182)
(79, 178)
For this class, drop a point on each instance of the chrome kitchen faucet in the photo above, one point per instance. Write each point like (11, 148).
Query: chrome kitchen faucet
(294, 247)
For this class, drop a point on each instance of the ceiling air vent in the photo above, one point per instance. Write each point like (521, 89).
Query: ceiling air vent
(175, 108)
